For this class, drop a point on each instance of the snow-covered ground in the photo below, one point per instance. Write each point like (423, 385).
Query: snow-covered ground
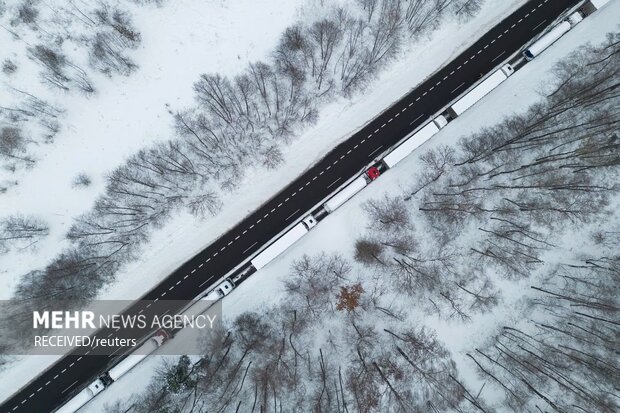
(104, 129)
(342, 227)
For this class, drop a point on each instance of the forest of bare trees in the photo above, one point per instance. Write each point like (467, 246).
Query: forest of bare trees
(236, 123)
(306, 354)
(65, 42)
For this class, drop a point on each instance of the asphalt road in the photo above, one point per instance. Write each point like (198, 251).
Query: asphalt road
(72, 372)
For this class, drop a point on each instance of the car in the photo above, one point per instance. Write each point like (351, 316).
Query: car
(222, 290)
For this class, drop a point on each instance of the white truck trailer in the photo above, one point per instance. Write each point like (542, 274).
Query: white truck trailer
(546, 40)
(279, 246)
(410, 144)
(82, 397)
(479, 91)
(345, 194)
(138, 355)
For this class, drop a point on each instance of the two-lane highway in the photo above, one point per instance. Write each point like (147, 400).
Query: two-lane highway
(72, 372)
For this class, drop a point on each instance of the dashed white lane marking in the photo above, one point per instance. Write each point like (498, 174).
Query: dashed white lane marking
(458, 68)
(265, 216)
(457, 88)
(245, 231)
(293, 194)
(363, 140)
(418, 98)
(141, 311)
(286, 200)
(63, 371)
(342, 156)
(372, 153)
(206, 281)
(207, 260)
(171, 288)
(520, 20)
(332, 184)
(248, 248)
(289, 217)
(156, 299)
(383, 126)
(314, 179)
(237, 237)
(425, 93)
(348, 152)
(273, 210)
(307, 183)
(498, 56)
(56, 376)
(389, 120)
(259, 220)
(186, 275)
(279, 205)
(485, 46)
(201, 265)
(398, 114)
(109, 335)
(513, 26)
(48, 382)
(164, 293)
(492, 41)
(194, 270)
(39, 389)
(431, 88)
(223, 248)
(370, 136)
(321, 173)
(230, 243)
(178, 282)
(376, 130)
(71, 385)
(445, 77)
(79, 358)
(416, 119)
(328, 167)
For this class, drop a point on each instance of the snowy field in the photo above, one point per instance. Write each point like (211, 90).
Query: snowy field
(342, 227)
(129, 113)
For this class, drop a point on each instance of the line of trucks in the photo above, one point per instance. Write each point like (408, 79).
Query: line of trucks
(345, 192)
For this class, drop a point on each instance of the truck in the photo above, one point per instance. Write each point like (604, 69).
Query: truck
(279, 246)
(480, 90)
(412, 142)
(83, 397)
(129, 362)
(345, 194)
(546, 40)
(223, 289)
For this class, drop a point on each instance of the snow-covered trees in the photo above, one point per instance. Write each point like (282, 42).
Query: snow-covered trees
(296, 357)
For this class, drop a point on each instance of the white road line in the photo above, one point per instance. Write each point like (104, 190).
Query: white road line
(371, 153)
(520, 20)
(245, 231)
(171, 288)
(416, 118)
(332, 184)
(79, 358)
(194, 270)
(201, 265)
(459, 67)
(479, 51)
(293, 194)
(178, 282)
(314, 179)
(307, 183)
(418, 98)
(215, 254)
(156, 299)
(389, 120)
(513, 26)
(498, 56)
(355, 147)
(398, 114)
(186, 275)
(328, 167)
(289, 217)
(39, 389)
(321, 173)
(348, 152)
(109, 335)
(148, 305)
(383, 126)
(246, 250)
(485, 46)
(223, 248)
(272, 211)
(370, 136)
(71, 385)
(56, 376)
(205, 281)
(286, 200)
(492, 41)
(259, 220)
(237, 237)
(279, 205)
(230, 243)
(451, 73)
(445, 77)
(164, 293)
(538, 25)
(139, 312)
(207, 260)
(457, 88)
(377, 130)
(425, 93)
(265, 216)
(48, 382)
(431, 88)
(342, 156)
(63, 371)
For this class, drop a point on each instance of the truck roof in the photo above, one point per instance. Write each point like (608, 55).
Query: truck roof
(479, 91)
(412, 142)
(279, 246)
